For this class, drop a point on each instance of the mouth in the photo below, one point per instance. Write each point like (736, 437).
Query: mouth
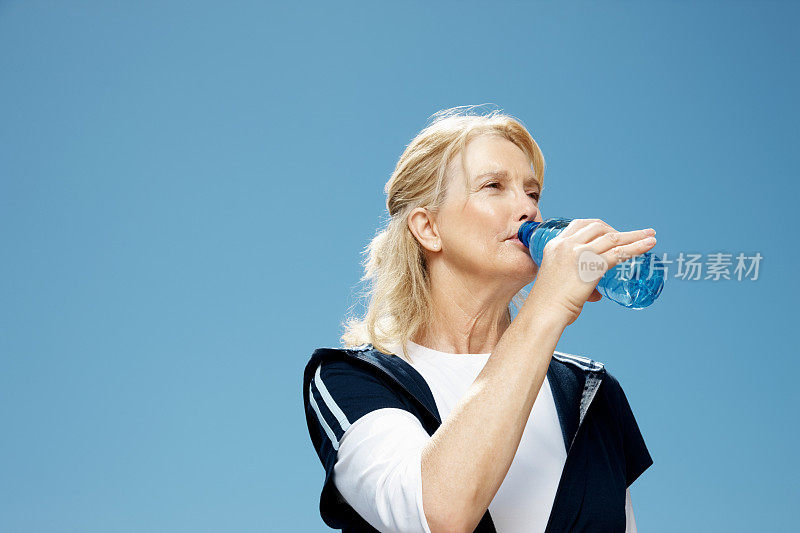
(516, 240)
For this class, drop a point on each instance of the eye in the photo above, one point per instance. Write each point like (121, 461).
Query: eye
(534, 195)
(492, 184)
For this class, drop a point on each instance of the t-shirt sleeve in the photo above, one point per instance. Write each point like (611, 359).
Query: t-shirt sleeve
(379, 470)
(637, 456)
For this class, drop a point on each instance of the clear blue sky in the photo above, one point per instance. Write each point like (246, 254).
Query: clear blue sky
(186, 187)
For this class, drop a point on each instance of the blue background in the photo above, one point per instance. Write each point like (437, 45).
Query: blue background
(186, 189)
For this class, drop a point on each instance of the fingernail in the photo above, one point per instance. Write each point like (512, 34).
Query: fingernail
(651, 231)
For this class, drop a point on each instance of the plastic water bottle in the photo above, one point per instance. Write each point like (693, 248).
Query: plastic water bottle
(628, 286)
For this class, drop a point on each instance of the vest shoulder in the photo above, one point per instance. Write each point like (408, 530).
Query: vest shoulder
(344, 351)
(580, 361)
(365, 352)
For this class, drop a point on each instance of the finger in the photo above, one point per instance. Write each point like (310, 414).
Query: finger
(619, 254)
(576, 225)
(613, 239)
(591, 231)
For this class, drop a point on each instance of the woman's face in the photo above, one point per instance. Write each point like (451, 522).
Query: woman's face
(485, 204)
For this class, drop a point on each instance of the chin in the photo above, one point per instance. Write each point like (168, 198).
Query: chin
(516, 268)
(528, 274)
(525, 267)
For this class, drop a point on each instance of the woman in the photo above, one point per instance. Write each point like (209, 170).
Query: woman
(440, 413)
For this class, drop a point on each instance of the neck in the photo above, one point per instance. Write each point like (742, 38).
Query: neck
(466, 317)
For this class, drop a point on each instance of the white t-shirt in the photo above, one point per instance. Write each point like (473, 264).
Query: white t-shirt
(379, 469)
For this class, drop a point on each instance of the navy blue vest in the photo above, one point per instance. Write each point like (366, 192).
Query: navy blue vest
(605, 449)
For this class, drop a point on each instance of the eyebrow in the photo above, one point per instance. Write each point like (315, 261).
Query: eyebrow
(529, 179)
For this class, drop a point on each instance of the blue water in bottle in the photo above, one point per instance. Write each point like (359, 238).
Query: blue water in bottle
(634, 287)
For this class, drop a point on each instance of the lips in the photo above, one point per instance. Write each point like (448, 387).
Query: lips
(515, 235)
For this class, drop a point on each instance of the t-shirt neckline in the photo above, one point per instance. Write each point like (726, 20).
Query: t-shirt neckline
(415, 350)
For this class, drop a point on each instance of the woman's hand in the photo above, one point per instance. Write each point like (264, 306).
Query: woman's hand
(559, 288)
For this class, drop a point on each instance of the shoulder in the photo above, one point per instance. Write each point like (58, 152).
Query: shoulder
(340, 387)
(343, 364)
(349, 382)
(341, 368)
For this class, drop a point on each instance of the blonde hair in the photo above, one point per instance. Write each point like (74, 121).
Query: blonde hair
(398, 295)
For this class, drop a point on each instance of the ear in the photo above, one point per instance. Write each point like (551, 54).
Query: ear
(423, 227)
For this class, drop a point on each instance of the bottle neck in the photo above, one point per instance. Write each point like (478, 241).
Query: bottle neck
(526, 231)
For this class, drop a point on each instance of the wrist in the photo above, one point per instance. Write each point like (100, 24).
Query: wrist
(550, 320)
(547, 316)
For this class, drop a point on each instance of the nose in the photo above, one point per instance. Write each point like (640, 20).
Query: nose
(527, 208)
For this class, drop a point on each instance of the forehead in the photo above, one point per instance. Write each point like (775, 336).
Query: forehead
(493, 155)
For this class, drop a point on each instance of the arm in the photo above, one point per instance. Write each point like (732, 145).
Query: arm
(468, 457)
(466, 460)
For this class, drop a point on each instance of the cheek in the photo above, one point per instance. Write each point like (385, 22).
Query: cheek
(476, 233)
(474, 250)
(489, 222)
(475, 224)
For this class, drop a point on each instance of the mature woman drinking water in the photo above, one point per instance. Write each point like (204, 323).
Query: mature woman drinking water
(440, 413)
